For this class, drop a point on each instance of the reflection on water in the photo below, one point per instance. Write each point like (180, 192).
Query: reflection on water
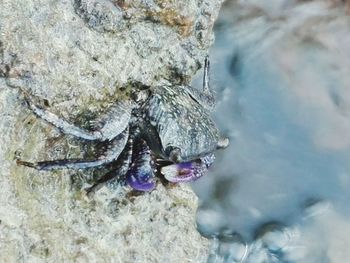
(280, 192)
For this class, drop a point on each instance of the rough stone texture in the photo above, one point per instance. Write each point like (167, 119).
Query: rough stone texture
(75, 55)
(64, 226)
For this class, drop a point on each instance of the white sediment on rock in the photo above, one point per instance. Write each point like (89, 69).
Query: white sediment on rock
(76, 54)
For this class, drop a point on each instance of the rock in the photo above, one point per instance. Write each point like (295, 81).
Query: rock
(75, 55)
(56, 224)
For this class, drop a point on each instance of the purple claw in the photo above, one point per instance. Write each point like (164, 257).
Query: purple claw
(140, 175)
(137, 184)
(187, 171)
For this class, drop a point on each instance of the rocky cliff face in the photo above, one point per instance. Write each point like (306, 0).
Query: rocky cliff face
(75, 55)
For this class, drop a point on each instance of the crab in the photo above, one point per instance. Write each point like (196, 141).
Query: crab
(165, 129)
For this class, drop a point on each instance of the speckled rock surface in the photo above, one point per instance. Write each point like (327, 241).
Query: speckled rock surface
(74, 55)
(63, 226)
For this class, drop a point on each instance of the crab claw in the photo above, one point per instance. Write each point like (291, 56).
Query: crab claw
(140, 175)
(141, 182)
(187, 171)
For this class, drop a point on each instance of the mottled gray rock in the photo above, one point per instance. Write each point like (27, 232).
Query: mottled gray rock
(75, 55)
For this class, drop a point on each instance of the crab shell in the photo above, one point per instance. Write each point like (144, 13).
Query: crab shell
(174, 119)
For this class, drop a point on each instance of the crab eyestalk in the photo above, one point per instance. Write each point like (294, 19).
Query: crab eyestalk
(141, 172)
(187, 171)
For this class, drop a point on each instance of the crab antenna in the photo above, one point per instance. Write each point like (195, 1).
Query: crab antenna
(206, 87)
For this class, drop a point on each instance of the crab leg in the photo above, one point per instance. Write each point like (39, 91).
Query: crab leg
(115, 147)
(112, 123)
(119, 170)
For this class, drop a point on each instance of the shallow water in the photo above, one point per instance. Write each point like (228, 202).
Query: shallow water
(280, 192)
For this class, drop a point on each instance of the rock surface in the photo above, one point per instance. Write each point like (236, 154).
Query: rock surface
(75, 55)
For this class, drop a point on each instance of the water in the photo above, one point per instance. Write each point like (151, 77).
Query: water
(280, 192)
